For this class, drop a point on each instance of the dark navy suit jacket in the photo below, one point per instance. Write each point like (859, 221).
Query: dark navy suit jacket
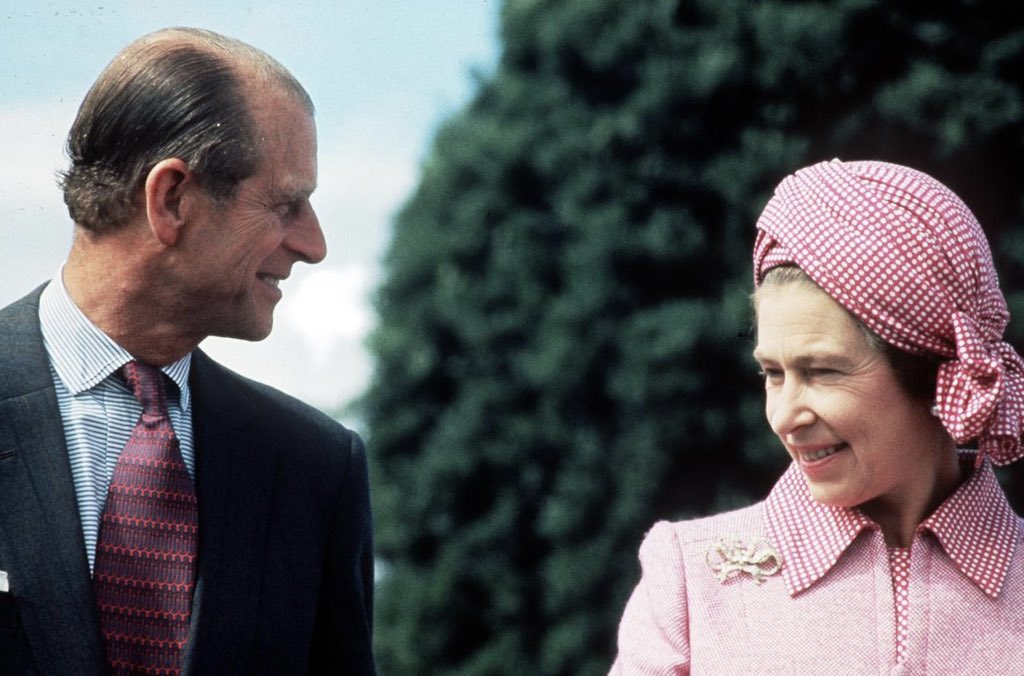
(285, 568)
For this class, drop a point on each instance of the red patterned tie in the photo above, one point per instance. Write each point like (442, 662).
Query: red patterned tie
(145, 556)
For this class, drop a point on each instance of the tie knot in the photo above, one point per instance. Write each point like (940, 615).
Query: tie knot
(147, 384)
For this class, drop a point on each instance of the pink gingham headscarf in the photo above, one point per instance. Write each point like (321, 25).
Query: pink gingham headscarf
(907, 257)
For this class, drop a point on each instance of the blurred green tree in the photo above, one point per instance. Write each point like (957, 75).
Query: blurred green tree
(563, 348)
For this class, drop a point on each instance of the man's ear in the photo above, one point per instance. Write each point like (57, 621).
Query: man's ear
(166, 193)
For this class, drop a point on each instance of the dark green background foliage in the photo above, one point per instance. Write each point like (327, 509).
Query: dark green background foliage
(564, 346)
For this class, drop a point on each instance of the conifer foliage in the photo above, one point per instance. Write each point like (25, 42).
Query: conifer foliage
(563, 353)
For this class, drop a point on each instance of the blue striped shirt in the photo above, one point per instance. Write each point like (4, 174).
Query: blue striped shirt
(96, 407)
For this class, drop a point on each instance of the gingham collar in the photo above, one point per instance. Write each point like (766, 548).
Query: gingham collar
(975, 526)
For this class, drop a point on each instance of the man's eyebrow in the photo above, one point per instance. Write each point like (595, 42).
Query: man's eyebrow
(285, 195)
(293, 191)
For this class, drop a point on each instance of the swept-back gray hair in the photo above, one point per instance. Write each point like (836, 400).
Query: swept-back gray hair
(179, 92)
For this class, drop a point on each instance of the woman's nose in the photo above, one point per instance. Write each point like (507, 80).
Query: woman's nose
(787, 409)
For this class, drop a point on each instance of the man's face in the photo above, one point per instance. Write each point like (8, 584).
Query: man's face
(243, 248)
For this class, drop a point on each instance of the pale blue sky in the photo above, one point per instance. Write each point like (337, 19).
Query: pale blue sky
(383, 74)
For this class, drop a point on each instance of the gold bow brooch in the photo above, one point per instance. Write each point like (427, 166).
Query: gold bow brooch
(732, 556)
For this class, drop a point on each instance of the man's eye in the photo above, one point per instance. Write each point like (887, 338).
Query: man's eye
(287, 209)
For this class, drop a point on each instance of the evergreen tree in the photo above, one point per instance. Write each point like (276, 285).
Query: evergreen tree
(563, 354)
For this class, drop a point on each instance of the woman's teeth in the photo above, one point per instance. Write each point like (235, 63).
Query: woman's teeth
(821, 453)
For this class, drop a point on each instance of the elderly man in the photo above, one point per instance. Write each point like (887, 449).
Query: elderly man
(158, 513)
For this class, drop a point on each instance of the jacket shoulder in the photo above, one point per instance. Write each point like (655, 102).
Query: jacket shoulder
(745, 522)
(264, 399)
(23, 359)
(309, 435)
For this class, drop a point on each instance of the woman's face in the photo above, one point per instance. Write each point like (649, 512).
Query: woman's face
(835, 403)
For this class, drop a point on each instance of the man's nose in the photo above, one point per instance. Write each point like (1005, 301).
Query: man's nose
(306, 238)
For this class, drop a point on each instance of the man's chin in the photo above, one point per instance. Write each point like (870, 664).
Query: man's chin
(251, 330)
(256, 334)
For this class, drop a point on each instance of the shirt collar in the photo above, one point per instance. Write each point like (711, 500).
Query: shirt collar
(810, 536)
(81, 354)
(975, 526)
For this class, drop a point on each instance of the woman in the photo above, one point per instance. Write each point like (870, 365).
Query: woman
(885, 547)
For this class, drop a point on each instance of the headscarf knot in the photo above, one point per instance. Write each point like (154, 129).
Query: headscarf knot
(969, 386)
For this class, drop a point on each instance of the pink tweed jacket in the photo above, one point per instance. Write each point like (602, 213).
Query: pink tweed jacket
(789, 586)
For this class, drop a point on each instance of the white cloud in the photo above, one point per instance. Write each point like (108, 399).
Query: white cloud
(330, 305)
(317, 349)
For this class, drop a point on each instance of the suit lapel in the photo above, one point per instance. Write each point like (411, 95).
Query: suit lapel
(41, 538)
(234, 482)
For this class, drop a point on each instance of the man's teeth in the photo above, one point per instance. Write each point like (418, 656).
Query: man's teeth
(821, 453)
(273, 281)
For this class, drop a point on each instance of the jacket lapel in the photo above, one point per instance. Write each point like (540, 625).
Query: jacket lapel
(234, 482)
(41, 542)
